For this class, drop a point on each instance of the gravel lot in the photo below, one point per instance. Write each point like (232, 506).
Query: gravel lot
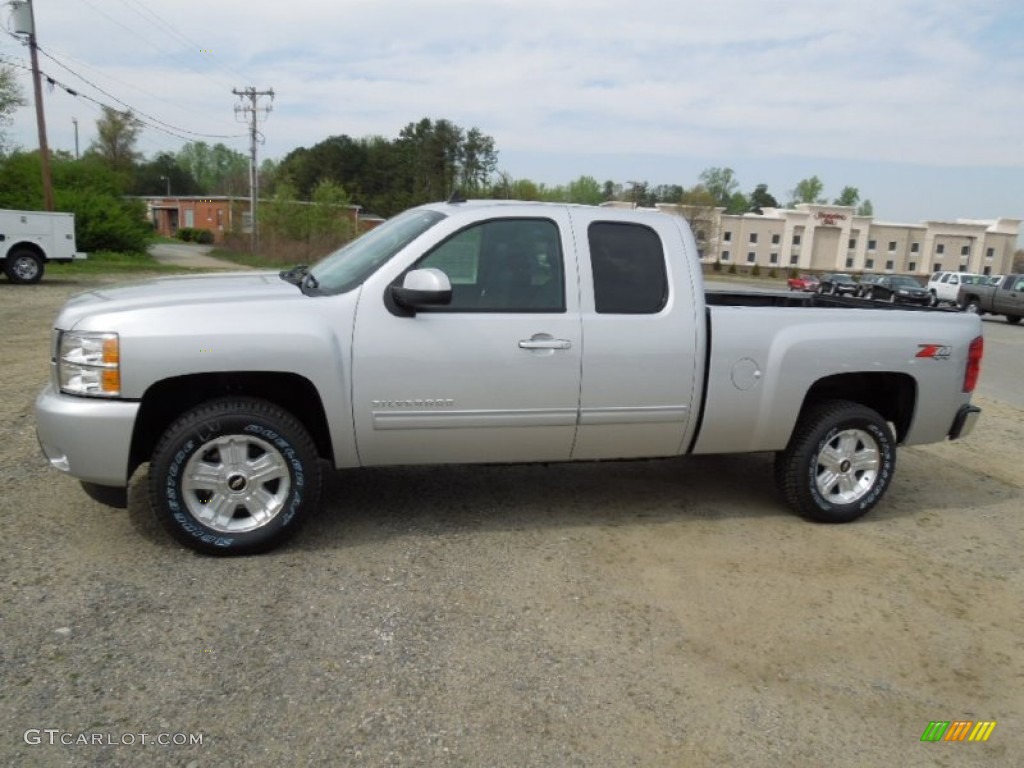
(652, 613)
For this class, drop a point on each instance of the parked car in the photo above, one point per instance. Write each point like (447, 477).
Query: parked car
(31, 239)
(945, 286)
(898, 289)
(866, 280)
(1005, 298)
(838, 284)
(803, 283)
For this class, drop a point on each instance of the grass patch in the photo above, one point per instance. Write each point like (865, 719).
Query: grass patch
(106, 262)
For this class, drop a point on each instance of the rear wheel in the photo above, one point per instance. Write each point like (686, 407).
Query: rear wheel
(838, 464)
(1013, 319)
(23, 267)
(234, 477)
(973, 306)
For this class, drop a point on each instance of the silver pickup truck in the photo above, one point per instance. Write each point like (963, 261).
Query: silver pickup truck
(486, 332)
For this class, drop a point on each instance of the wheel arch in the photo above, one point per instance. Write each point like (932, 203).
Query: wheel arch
(892, 395)
(166, 400)
(26, 245)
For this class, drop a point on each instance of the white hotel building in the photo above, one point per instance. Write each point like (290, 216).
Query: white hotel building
(833, 238)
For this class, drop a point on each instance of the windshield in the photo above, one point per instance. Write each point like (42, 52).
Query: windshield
(971, 279)
(351, 264)
(905, 282)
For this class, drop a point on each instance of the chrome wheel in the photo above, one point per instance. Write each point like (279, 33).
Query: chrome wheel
(235, 483)
(847, 466)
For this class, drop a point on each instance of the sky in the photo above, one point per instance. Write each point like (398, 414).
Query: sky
(916, 103)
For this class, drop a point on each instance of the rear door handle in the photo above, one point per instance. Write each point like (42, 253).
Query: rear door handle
(545, 344)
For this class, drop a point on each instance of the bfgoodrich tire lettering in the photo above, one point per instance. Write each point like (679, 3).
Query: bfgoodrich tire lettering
(234, 477)
(838, 464)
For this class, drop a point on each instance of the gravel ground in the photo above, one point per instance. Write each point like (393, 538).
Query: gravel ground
(662, 613)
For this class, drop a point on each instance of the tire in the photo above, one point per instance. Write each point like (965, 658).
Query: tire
(934, 300)
(838, 464)
(218, 504)
(973, 307)
(870, 295)
(1013, 319)
(23, 267)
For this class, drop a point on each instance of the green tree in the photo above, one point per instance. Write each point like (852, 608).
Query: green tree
(721, 183)
(762, 198)
(866, 209)
(808, 191)
(738, 203)
(11, 98)
(116, 136)
(217, 169)
(850, 196)
(586, 190)
(163, 173)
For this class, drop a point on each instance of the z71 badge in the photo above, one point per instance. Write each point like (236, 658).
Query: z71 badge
(934, 351)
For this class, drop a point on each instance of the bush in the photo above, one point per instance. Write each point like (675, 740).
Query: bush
(185, 233)
(772, 273)
(203, 236)
(732, 269)
(717, 266)
(756, 271)
(104, 222)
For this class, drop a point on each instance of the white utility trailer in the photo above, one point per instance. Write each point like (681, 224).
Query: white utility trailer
(30, 239)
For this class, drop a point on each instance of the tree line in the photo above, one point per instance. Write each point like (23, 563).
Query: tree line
(427, 161)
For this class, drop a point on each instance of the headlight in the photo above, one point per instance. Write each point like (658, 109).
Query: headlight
(89, 364)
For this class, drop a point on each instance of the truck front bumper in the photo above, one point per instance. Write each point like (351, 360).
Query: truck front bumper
(86, 437)
(964, 422)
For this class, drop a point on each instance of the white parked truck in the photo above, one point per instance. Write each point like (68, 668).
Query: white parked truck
(487, 331)
(30, 239)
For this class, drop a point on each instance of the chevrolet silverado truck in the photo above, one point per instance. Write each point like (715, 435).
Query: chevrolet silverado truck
(486, 331)
(1004, 298)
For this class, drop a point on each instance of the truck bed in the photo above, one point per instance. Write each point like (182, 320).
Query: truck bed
(716, 298)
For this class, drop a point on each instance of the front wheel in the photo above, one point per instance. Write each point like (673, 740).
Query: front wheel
(234, 476)
(1013, 319)
(838, 464)
(973, 307)
(23, 267)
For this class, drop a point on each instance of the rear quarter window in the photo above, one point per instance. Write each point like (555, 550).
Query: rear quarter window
(628, 264)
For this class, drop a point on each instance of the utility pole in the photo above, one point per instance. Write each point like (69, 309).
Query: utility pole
(27, 26)
(250, 112)
(75, 121)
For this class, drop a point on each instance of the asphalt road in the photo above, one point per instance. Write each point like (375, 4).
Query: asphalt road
(1002, 370)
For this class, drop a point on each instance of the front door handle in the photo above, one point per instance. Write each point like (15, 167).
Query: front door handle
(545, 344)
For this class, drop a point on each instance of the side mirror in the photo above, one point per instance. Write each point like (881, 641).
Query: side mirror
(423, 288)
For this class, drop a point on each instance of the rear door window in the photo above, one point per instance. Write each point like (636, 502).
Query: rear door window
(628, 264)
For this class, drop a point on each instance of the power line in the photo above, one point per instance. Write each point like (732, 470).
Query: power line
(137, 111)
(158, 20)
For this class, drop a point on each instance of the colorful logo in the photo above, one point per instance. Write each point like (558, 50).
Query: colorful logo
(958, 730)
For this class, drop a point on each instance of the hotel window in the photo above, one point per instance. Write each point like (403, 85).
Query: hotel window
(753, 238)
(727, 236)
(751, 257)
(849, 262)
(773, 258)
(776, 239)
(912, 266)
(915, 247)
(871, 245)
(852, 244)
(965, 250)
(940, 249)
(869, 264)
(892, 246)
(725, 255)
(796, 239)
(794, 260)
(888, 265)
(990, 253)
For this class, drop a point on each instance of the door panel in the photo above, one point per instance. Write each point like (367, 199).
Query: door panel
(492, 378)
